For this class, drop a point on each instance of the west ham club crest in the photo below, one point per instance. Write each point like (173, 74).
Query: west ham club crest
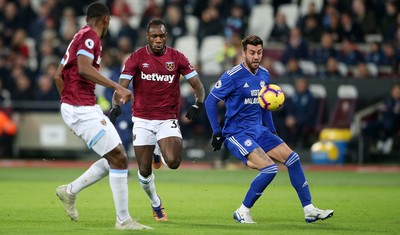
(169, 65)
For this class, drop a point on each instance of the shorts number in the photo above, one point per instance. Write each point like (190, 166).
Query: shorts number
(175, 124)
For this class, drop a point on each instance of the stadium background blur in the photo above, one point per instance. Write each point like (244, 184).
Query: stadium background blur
(331, 43)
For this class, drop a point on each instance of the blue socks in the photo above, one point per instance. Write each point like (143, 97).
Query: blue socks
(298, 179)
(260, 182)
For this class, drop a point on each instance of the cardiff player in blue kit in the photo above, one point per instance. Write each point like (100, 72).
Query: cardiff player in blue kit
(249, 132)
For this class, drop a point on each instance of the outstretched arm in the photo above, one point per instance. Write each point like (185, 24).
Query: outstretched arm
(89, 72)
(199, 95)
(198, 88)
(58, 79)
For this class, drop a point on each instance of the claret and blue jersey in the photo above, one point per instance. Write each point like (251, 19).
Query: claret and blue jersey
(239, 88)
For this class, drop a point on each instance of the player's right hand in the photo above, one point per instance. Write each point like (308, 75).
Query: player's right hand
(217, 141)
(114, 113)
(124, 94)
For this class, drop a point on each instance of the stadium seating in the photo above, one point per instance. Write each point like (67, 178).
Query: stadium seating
(319, 92)
(291, 11)
(304, 6)
(192, 24)
(188, 45)
(261, 20)
(288, 89)
(342, 114)
(308, 67)
(210, 47)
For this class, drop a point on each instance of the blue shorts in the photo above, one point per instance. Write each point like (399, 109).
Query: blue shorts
(241, 144)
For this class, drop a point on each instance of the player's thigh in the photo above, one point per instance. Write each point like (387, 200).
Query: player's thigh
(143, 132)
(258, 159)
(169, 139)
(89, 123)
(240, 146)
(143, 143)
(280, 152)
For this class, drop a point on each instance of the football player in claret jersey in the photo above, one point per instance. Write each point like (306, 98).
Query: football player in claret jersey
(249, 132)
(154, 71)
(76, 78)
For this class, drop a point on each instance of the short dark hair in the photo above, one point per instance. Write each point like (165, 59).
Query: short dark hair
(252, 40)
(97, 10)
(155, 22)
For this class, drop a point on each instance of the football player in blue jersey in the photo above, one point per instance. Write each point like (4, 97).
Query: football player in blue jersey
(249, 132)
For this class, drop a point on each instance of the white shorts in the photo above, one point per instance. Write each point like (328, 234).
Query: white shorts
(89, 123)
(148, 132)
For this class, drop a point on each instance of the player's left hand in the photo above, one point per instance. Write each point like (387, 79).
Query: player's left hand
(114, 113)
(217, 141)
(194, 111)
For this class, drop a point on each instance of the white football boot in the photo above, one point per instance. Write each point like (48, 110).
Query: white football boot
(242, 217)
(131, 224)
(312, 215)
(69, 202)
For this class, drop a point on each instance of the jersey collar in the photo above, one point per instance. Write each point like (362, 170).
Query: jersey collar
(254, 74)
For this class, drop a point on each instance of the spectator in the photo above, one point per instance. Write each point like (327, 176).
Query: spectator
(209, 24)
(326, 50)
(235, 23)
(391, 56)
(350, 30)
(22, 89)
(389, 18)
(42, 22)
(296, 47)
(301, 111)
(18, 42)
(120, 7)
(330, 71)
(364, 17)
(293, 69)
(311, 13)
(227, 55)
(127, 31)
(222, 6)
(391, 35)
(10, 22)
(329, 12)
(280, 30)
(7, 130)
(349, 53)
(26, 15)
(311, 31)
(46, 90)
(387, 124)
(375, 54)
(361, 71)
(68, 24)
(331, 22)
(175, 21)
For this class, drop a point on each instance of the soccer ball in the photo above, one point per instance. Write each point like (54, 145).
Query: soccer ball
(271, 97)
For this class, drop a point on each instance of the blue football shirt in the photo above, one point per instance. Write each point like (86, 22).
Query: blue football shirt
(239, 88)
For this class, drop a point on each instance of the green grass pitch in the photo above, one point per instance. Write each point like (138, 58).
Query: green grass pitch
(202, 202)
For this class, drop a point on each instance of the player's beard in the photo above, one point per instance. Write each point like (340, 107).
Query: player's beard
(253, 66)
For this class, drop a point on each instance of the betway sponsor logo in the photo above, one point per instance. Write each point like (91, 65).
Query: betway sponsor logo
(157, 77)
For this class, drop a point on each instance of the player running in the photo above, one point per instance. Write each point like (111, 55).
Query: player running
(249, 132)
(76, 78)
(155, 71)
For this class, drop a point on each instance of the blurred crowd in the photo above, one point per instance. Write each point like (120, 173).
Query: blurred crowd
(35, 34)
(337, 39)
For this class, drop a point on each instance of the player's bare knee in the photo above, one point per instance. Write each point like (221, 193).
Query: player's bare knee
(145, 172)
(117, 158)
(174, 163)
